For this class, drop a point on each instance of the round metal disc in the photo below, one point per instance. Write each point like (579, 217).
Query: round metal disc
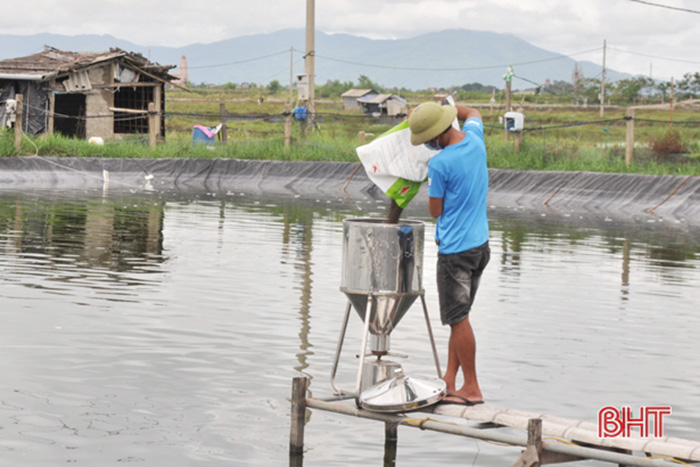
(402, 394)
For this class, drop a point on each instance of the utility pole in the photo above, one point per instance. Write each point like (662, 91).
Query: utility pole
(309, 57)
(602, 83)
(288, 107)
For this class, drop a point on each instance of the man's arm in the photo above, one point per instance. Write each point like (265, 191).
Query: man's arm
(435, 207)
(464, 113)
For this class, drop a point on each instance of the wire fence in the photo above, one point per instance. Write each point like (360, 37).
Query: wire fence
(181, 122)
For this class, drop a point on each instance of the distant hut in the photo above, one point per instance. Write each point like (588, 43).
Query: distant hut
(383, 104)
(350, 97)
(84, 94)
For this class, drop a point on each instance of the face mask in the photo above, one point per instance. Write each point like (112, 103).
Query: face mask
(433, 148)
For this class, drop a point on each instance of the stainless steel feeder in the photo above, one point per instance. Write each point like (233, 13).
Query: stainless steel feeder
(382, 277)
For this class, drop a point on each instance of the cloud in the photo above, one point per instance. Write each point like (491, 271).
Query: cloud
(563, 26)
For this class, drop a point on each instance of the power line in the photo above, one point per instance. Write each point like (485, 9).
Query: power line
(456, 69)
(240, 61)
(654, 56)
(667, 6)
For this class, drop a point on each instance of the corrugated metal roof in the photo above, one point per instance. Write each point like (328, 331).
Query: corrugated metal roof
(53, 61)
(378, 99)
(356, 92)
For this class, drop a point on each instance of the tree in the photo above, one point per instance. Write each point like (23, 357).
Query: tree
(333, 88)
(589, 89)
(689, 86)
(274, 86)
(365, 83)
(627, 90)
(663, 87)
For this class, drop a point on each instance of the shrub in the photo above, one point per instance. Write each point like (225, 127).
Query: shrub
(669, 142)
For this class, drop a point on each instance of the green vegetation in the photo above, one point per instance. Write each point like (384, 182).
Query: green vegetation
(557, 137)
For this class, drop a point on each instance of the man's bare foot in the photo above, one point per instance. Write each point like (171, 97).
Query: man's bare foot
(462, 394)
(451, 388)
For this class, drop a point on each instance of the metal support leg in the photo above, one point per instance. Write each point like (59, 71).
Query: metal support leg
(363, 350)
(430, 333)
(336, 389)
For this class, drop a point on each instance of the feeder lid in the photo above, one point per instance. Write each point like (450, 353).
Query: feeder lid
(402, 393)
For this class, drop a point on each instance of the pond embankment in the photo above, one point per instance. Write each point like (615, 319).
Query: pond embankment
(623, 197)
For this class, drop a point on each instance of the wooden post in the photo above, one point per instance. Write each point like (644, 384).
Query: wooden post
(288, 125)
(158, 102)
(222, 112)
(532, 456)
(52, 107)
(602, 82)
(629, 139)
(508, 105)
(534, 436)
(670, 108)
(152, 124)
(361, 135)
(18, 122)
(298, 413)
(518, 140)
(509, 96)
(391, 436)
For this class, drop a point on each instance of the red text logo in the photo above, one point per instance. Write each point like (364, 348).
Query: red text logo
(613, 422)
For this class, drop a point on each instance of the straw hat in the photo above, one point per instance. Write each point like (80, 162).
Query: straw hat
(429, 120)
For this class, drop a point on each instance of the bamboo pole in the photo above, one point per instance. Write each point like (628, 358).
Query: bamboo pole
(18, 121)
(575, 430)
(425, 422)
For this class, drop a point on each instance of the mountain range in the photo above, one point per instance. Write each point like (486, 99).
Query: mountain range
(440, 59)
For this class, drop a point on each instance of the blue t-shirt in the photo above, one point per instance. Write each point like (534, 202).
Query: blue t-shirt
(458, 174)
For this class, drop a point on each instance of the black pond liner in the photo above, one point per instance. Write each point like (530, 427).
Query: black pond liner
(565, 196)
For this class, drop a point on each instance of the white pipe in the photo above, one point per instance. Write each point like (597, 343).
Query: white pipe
(424, 422)
(22, 77)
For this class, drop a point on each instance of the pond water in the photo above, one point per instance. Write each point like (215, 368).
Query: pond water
(167, 330)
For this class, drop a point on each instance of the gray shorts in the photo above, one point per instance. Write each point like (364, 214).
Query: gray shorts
(458, 276)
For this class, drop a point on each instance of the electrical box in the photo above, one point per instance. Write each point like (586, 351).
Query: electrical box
(303, 86)
(514, 121)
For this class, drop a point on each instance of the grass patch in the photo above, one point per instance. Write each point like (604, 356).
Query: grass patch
(557, 138)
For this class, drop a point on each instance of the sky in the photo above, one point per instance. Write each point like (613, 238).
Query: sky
(642, 38)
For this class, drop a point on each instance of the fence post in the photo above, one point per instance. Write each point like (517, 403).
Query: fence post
(222, 111)
(52, 107)
(152, 124)
(629, 139)
(18, 122)
(518, 140)
(287, 126)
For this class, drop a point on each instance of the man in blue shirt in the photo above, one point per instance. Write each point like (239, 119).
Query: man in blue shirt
(458, 184)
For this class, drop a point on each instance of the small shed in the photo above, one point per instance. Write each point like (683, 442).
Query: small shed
(383, 104)
(350, 97)
(84, 94)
